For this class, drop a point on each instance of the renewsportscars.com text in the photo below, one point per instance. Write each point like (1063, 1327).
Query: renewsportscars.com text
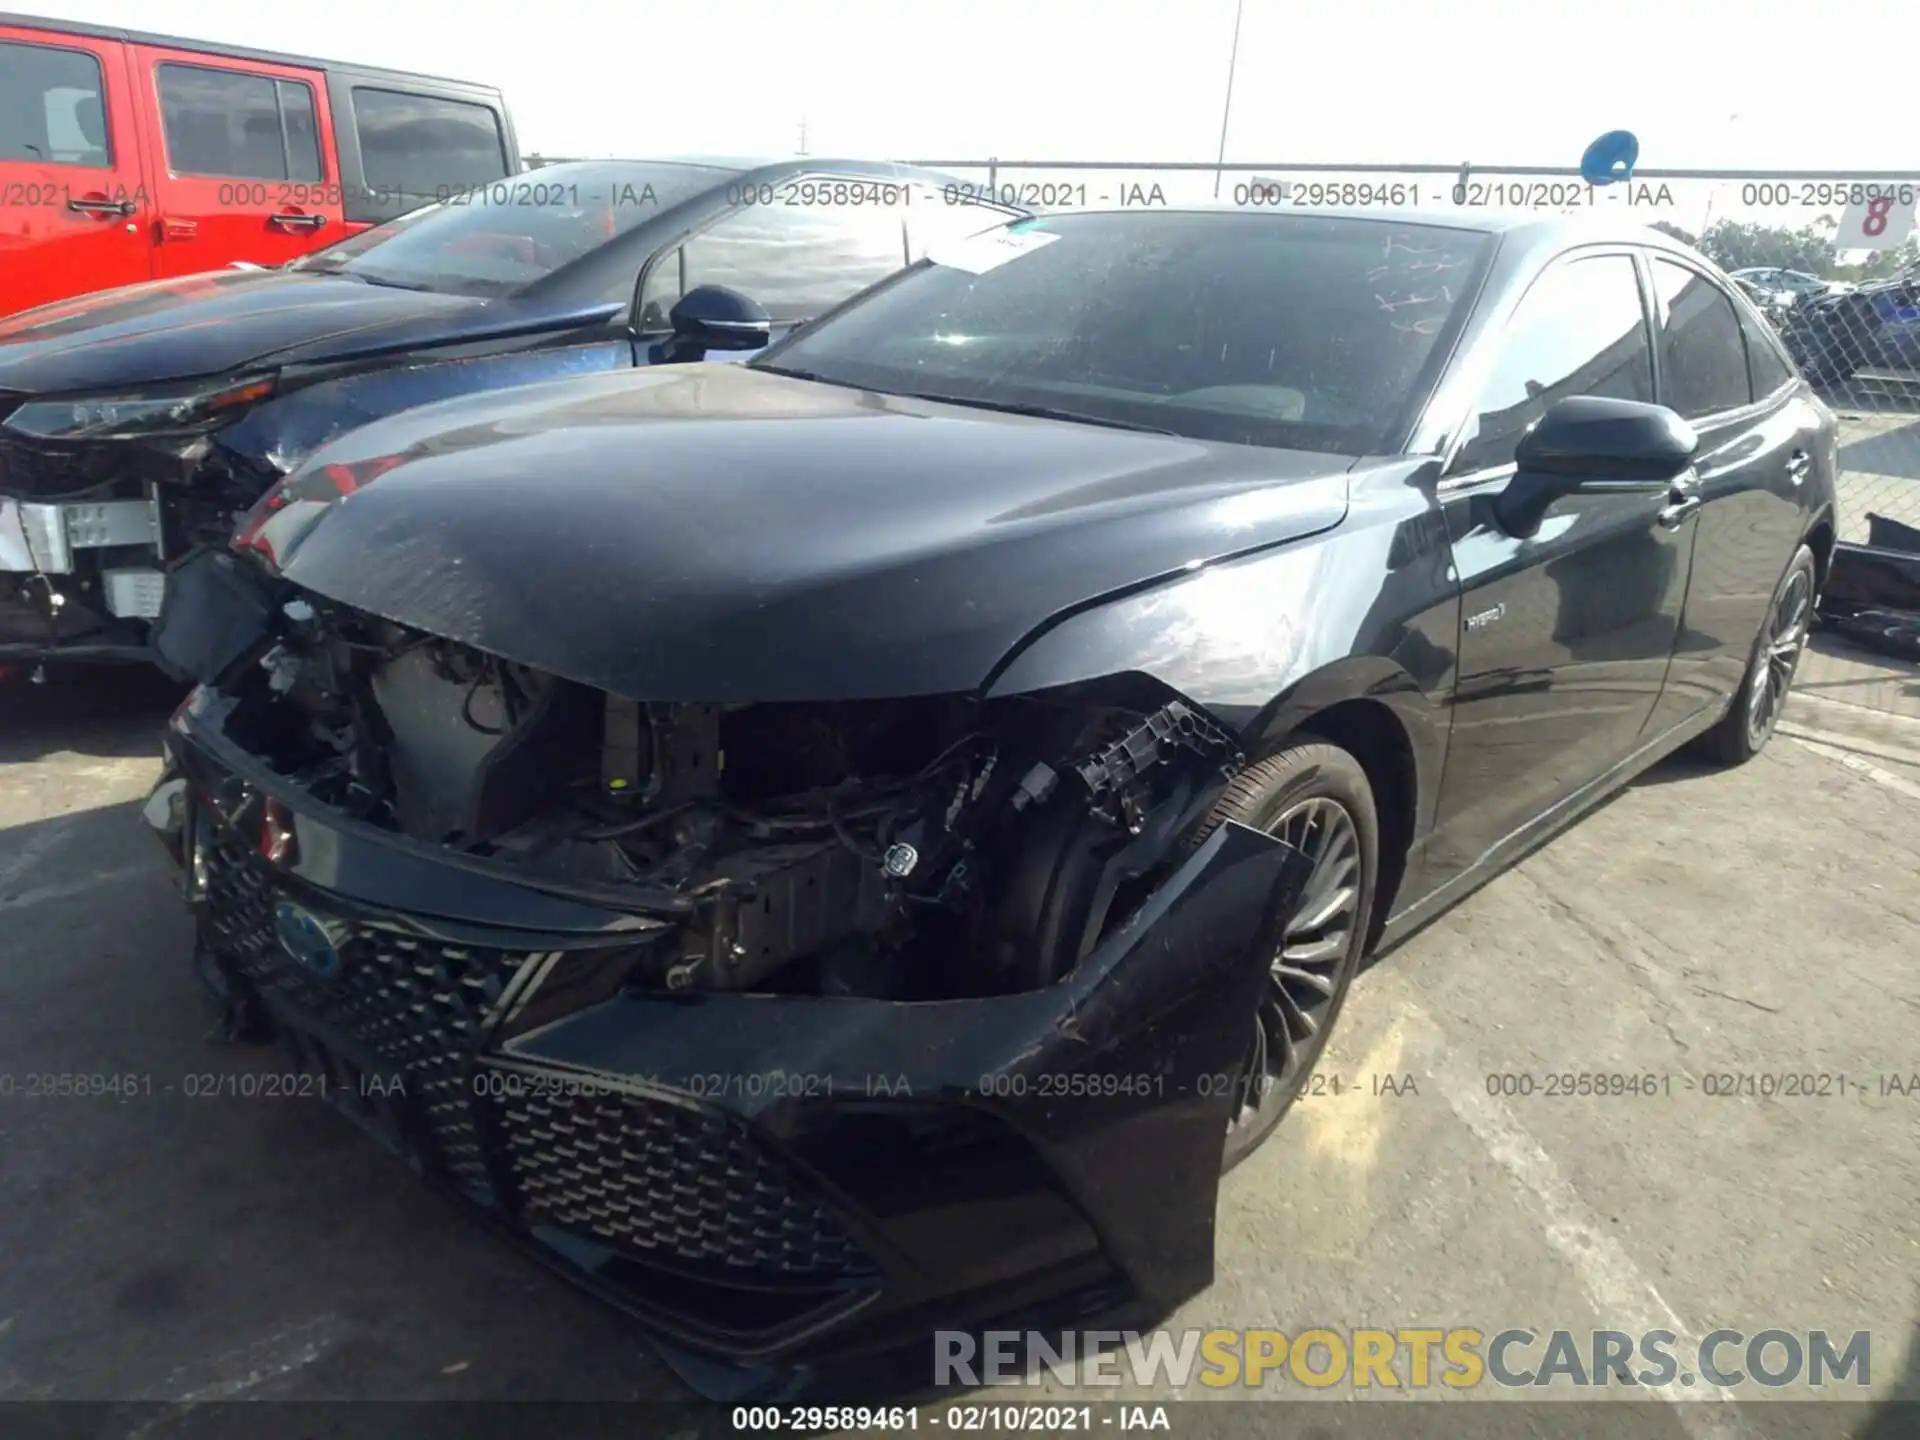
(1412, 1358)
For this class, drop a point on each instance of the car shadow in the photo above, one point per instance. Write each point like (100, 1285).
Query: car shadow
(93, 710)
(1898, 1416)
(1676, 769)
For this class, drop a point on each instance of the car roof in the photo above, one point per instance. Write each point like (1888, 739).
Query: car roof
(760, 169)
(54, 26)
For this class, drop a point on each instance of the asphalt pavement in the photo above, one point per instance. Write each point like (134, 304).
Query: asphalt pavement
(172, 1240)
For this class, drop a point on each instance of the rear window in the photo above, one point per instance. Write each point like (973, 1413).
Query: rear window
(425, 145)
(1307, 332)
(231, 123)
(50, 107)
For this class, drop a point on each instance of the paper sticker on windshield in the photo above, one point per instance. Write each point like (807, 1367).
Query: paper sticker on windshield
(980, 253)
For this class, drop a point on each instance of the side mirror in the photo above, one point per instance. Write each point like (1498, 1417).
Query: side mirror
(1592, 441)
(713, 317)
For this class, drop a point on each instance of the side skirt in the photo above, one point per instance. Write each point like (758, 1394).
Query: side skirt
(1543, 827)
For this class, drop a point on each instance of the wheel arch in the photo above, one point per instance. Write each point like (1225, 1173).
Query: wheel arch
(1820, 538)
(1376, 732)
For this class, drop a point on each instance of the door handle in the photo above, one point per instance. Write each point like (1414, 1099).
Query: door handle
(1679, 510)
(100, 208)
(1798, 465)
(297, 222)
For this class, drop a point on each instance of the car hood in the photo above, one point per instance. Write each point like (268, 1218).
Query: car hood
(206, 324)
(715, 533)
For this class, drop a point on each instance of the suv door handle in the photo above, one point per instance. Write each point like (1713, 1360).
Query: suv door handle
(1798, 465)
(1679, 510)
(85, 206)
(298, 222)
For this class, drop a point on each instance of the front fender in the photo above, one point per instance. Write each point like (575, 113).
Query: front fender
(1367, 612)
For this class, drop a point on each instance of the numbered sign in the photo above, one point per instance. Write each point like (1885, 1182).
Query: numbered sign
(1882, 222)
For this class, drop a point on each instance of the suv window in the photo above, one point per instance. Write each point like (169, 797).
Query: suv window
(1581, 330)
(1702, 356)
(424, 145)
(797, 260)
(51, 112)
(230, 123)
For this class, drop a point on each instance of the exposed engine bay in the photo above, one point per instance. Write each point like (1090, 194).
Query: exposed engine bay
(919, 848)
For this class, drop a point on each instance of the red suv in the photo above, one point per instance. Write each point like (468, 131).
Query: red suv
(128, 157)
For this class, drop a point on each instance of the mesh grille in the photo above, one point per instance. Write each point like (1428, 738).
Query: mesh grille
(421, 1006)
(657, 1179)
(653, 1179)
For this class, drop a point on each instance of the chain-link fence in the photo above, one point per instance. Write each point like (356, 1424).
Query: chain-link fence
(1832, 258)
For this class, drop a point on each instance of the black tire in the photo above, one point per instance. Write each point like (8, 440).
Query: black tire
(1750, 720)
(1299, 792)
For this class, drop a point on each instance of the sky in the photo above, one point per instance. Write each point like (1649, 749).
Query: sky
(1703, 83)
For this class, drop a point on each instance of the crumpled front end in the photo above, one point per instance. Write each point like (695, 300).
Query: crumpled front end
(792, 1028)
(98, 498)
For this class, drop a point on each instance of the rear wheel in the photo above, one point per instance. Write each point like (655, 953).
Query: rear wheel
(1749, 722)
(1314, 796)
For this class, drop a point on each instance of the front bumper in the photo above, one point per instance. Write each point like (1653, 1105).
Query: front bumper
(776, 1183)
(78, 578)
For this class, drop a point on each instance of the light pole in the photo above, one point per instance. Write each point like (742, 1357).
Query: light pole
(1227, 109)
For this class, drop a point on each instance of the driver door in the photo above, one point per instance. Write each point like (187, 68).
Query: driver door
(1565, 635)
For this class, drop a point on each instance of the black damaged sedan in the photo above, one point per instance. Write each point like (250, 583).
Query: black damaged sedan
(859, 840)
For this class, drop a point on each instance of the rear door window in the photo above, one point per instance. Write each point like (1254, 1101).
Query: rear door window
(1702, 355)
(426, 145)
(51, 107)
(238, 125)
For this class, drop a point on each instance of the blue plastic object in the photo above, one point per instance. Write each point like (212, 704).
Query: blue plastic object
(1610, 158)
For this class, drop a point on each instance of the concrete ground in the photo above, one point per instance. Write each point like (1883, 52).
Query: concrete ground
(1752, 923)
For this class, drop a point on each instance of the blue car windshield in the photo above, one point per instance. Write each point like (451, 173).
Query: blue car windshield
(1302, 331)
(499, 237)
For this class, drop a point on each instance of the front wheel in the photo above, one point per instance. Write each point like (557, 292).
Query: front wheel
(1749, 722)
(1314, 796)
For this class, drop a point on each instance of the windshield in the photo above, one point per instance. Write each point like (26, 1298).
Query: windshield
(1306, 332)
(500, 237)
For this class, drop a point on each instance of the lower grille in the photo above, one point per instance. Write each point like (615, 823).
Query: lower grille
(662, 1181)
(421, 1006)
(682, 1185)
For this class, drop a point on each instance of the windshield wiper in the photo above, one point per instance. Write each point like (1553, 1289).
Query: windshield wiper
(1041, 412)
(790, 374)
(384, 281)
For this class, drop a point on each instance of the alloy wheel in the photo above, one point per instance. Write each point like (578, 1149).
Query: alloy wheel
(1781, 644)
(1315, 951)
